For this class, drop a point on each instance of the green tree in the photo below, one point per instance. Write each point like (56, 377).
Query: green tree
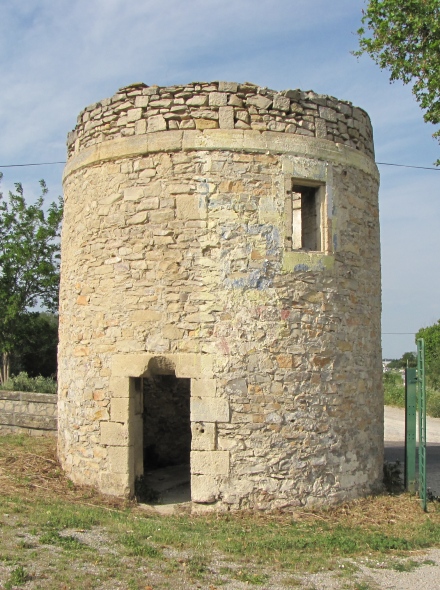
(37, 334)
(409, 359)
(431, 335)
(403, 36)
(29, 264)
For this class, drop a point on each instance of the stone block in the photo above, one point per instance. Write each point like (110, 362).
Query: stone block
(200, 317)
(146, 315)
(137, 219)
(210, 462)
(167, 141)
(172, 332)
(321, 128)
(198, 101)
(134, 115)
(114, 434)
(119, 386)
(121, 459)
(120, 409)
(204, 387)
(209, 409)
(281, 103)
(149, 204)
(235, 101)
(226, 117)
(141, 101)
(116, 484)
(193, 365)
(206, 124)
(285, 361)
(156, 123)
(328, 114)
(228, 86)
(259, 101)
(39, 398)
(218, 99)
(187, 124)
(133, 193)
(204, 489)
(7, 418)
(191, 207)
(161, 215)
(237, 387)
(230, 139)
(156, 343)
(203, 436)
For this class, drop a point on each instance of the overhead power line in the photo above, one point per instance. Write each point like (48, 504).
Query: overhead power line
(408, 166)
(63, 162)
(33, 164)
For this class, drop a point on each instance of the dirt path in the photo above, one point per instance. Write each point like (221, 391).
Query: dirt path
(395, 426)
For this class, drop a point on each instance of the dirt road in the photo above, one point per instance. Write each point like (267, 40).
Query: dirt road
(395, 441)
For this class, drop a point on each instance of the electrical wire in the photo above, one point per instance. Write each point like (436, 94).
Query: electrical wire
(408, 166)
(63, 162)
(33, 164)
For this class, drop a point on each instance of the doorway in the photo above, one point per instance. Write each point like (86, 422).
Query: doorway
(166, 437)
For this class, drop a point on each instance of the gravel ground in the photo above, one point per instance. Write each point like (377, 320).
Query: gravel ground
(417, 570)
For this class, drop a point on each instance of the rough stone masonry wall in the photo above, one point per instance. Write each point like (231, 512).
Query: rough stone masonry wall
(27, 412)
(173, 248)
(140, 109)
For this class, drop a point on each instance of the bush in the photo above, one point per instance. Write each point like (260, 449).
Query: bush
(433, 403)
(22, 382)
(394, 390)
(394, 394)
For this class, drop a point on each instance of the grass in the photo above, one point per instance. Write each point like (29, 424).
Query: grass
(394, 394)
(56, 532)
(18, 577)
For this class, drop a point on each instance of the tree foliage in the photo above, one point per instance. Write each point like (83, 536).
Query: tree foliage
(431, 335)
(29, 264)
(37, 334)
(403, 36)
(409, 359)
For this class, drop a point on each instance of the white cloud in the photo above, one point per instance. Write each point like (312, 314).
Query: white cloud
(58, 57)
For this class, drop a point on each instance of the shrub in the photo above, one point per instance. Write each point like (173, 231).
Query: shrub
(22, 382)
(394, 390)
(433, 403)
(394, 394)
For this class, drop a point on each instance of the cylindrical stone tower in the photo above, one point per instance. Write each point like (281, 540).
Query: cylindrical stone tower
(220, 295)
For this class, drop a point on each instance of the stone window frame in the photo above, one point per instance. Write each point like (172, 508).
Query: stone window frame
(293, 231)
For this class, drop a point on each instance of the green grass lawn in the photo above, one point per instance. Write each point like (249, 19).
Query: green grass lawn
(53, 532)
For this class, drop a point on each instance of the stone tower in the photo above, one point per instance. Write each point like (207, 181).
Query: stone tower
(220, 295)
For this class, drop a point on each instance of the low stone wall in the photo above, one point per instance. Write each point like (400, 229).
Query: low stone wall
(28, 412)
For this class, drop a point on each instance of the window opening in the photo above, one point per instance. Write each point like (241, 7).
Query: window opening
(304, 218)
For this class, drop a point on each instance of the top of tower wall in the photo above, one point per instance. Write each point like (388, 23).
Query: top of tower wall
(138, 109)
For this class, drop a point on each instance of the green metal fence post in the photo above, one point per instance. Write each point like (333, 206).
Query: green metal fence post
(410, 428)
(422, 420)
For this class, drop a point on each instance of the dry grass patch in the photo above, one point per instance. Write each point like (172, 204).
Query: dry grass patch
(29, 467)
(55, 531)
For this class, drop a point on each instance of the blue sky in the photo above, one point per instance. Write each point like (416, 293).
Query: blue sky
(58, 57)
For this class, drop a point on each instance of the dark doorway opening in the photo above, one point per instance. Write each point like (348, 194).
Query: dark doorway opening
(167, 437)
